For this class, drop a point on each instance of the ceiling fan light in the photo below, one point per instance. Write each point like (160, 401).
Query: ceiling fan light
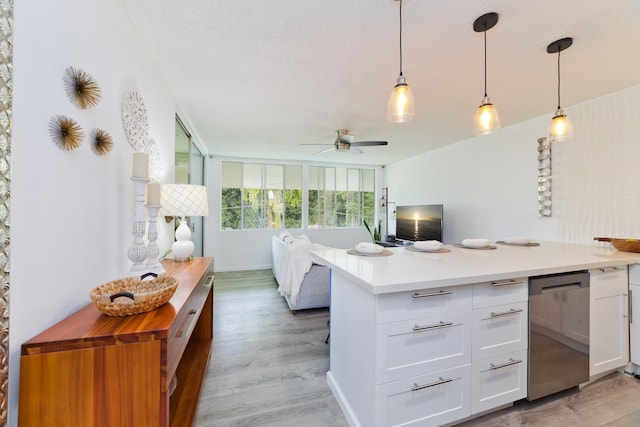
(560, 127)
(487, 118)
(401, 107)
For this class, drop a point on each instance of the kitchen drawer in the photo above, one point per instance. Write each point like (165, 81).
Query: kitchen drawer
(185, 322)
(500, 329)
(609, 281)
(428, 400)
(498, 380)
(427, 302)
(498, 292)
(409, 348)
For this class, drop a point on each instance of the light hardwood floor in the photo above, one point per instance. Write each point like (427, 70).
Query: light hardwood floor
(268, 368)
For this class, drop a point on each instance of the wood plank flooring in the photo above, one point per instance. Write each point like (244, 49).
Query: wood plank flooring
(268, 368)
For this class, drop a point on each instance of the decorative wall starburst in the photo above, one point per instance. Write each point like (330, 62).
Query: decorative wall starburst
(65, 132)
(82, 89)
(101, 141)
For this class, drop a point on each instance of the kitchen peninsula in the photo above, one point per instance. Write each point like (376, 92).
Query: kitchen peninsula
(420, 338)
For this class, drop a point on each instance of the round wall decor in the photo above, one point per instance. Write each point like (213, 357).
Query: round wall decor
(135, 121)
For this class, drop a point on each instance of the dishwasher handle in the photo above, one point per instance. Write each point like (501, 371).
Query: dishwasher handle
(558, 282)
(560, 288)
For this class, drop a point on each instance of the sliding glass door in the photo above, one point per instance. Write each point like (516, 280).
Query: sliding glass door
(189, 169)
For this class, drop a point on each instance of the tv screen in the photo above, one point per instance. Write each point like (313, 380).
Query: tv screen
(419, 222)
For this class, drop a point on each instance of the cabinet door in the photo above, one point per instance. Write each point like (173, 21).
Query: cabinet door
(634, 317)
(117, 385)
(609, 328)
(419, 346)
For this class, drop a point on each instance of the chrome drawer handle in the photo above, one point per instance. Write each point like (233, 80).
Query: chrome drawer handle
(610, 269)
(441, 324)
(187, 331)
(440, 381)
(209, 282)
(433, 294)
(507, 283)
(507, 313)
(504, 365)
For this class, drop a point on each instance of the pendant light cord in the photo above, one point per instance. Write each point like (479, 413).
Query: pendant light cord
(485, 58)
(558, 78)
(400, 37)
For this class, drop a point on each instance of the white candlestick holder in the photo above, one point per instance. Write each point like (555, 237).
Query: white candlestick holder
(153, 251)
(137, 253)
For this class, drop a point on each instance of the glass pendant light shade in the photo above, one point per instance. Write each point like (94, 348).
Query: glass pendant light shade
(401, 107)
(560, 127)
(487, 118)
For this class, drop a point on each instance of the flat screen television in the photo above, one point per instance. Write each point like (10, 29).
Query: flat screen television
(419, 222)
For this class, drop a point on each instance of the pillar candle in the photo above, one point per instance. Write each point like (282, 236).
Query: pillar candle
(153, 193)
(140, 165)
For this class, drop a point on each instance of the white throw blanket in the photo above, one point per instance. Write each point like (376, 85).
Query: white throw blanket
(295, 262)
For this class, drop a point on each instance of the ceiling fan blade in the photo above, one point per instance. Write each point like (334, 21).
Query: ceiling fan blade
(354, 150)
(315, 143)
(326, 150)
(368, 143)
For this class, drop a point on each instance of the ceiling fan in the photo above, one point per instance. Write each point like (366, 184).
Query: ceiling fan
(344, 142)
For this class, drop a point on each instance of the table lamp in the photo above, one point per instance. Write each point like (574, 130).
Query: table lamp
(183, 200)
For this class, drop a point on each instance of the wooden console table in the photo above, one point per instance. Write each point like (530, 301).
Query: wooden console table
(91, 369)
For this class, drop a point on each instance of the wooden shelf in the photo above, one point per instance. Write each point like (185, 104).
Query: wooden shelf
(91, 369)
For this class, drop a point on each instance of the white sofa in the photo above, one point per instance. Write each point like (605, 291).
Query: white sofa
(301, 282)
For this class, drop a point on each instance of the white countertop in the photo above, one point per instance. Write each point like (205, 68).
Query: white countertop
(406, 270)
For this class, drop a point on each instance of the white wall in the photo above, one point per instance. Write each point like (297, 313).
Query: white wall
(71, 212)
(488, 183)
(236, 250)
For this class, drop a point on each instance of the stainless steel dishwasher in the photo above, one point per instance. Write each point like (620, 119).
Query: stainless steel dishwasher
(558, 332)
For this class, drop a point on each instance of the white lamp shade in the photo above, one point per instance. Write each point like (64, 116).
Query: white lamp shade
(401, 107)
(487, 118)
(184, 200)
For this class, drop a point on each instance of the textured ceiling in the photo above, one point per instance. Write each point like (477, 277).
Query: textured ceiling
(256, 78)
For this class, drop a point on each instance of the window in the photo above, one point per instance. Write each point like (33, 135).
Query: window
(341, 197)
(256, 196)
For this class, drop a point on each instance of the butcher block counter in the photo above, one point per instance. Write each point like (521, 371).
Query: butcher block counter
(433, 339)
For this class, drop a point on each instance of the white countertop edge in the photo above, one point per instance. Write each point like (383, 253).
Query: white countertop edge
(619, 258)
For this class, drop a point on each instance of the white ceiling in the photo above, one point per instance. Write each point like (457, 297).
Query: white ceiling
(257, 78)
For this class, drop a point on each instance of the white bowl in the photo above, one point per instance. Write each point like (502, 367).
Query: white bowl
(368, 248)
(517, 240)
(427, 245)
(475, 243)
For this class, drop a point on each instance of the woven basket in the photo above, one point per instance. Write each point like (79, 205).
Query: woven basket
(133, 295)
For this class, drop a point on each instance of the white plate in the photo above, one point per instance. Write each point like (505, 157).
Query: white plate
(475, 243)
(517, 240)
(427, 245)
(368, 248)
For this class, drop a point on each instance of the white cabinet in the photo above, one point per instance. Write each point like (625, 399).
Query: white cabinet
(428, 357)
(500, 339)
(608, 320)
(634, 316)
(427, 400)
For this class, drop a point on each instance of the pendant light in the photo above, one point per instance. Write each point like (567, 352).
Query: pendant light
(487, 118)
(401, 107)
(560, 127)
